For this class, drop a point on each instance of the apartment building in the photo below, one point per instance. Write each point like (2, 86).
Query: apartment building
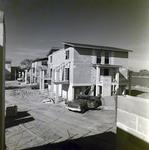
(89, 69)
(38, 65)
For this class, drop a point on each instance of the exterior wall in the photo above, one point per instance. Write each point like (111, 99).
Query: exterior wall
(115, 58)
(58, 61)
(82, 66)
(132, 123)
(58, 57)
(120, 58)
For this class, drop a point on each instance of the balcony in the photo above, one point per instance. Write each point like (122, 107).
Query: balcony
(61, 82)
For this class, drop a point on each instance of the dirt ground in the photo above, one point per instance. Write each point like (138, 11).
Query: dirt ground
(41, 125)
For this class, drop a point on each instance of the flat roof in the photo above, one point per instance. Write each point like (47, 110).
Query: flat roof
(96, 47)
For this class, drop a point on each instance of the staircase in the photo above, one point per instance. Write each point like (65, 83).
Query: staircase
(61, 66)
(59, 73)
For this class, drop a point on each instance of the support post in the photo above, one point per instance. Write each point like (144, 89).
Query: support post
(117, 79)
(40, 76)
(70, 92)
(97, 81)
(42, 80)
(26, 76)
(31, 76)
(52, 84)
(57, 87)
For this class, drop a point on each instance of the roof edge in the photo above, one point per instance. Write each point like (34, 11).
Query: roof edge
(96, 47)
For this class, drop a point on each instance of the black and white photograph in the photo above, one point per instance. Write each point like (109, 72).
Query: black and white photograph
(74, 74)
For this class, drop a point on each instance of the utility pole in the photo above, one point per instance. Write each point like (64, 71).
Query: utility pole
(2, 80)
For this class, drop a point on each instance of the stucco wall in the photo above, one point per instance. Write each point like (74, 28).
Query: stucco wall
(132, 123)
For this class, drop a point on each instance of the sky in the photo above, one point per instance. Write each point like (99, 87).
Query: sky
(34, 26)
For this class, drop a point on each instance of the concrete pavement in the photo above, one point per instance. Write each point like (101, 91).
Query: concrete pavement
(40, 126)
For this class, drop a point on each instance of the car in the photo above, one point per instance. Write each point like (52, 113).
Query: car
(20, 79)
(83, 103)
(93, 102)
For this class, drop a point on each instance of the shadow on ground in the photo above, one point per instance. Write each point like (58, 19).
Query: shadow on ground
(21, 117)
(135, 92)
(103, 141)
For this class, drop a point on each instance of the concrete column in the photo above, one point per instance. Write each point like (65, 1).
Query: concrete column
(31, 76)
(22, 74)
(97, 81)
(57, 76)
(57, 87)
(40, 80)
(70, 92)
(56, 94)
(117, 80)
(2, 82)
(64, 74)
(26, 76)
(60, 90)
(52, 84)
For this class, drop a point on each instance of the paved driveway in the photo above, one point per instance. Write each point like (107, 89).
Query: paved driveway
(51, 126)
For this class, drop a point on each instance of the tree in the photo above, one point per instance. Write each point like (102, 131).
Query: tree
(144, 72)
(26, 64)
